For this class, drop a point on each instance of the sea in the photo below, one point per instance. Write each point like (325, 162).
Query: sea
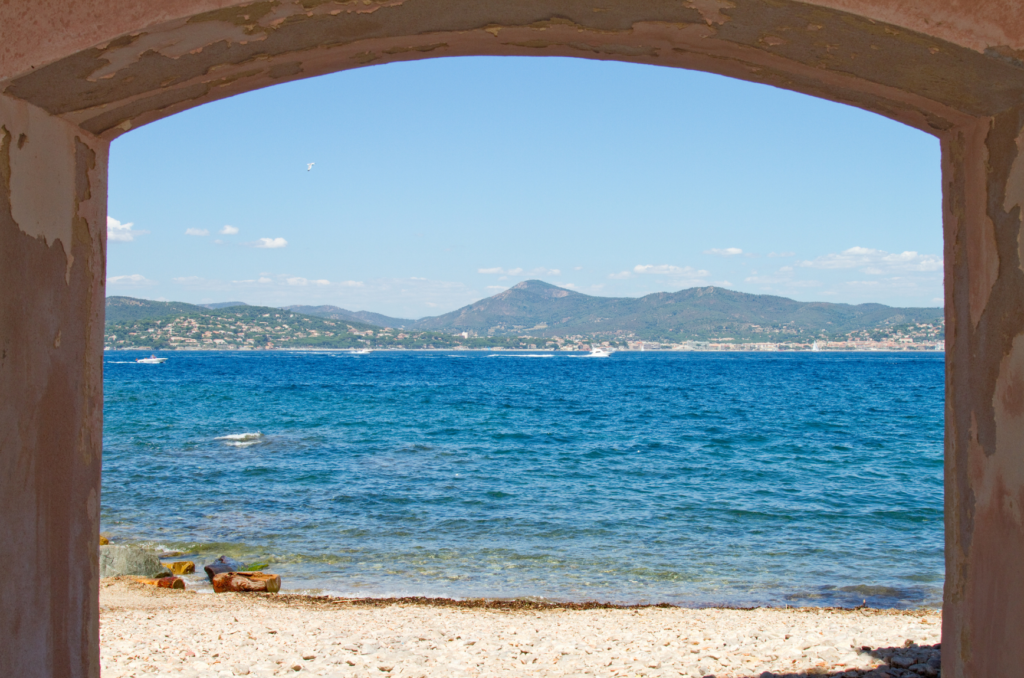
(688, 478)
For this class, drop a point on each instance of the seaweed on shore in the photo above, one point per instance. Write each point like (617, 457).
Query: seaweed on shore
(526, 605)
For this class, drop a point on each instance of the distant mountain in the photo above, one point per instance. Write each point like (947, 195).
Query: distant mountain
(157, 325)
(336, 313)
(127, 309)
(224, 304)
(130, 310)
(543, 310)
(538, 309)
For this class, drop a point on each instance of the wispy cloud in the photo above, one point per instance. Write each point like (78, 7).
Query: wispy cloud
(725, 252)
(134, 279)
(229, 230)
(196, 231)
(271, 243)
(781, 254)
(877, 262)
(306, 281)
(622, 275)
(671, 271)
(118, 232)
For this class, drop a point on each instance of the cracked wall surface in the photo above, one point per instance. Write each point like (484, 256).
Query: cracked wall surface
(216, 51)
(75, 75)
(52, 239)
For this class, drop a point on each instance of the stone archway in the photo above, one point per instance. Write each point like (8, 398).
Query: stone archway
(73, 76)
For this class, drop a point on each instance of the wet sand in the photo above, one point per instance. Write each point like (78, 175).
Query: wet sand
(159, 632)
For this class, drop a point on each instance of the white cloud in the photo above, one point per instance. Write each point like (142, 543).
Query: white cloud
(673, 271)
(727, 252)
(134, 279)
(782, 254)
(350, 283)
(496, 287)
(265, 280)
(189, 280)
(490, 270)
(271, 243)
(620, 276)
(229, 230)
(196, 231)
(877, 262)
(514, 271)
(305, 281)
(118, 232)
(724, 283)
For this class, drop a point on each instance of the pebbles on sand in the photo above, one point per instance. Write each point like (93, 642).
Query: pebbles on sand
(150, 632)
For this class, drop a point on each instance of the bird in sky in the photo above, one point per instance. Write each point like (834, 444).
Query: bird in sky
(309, 166)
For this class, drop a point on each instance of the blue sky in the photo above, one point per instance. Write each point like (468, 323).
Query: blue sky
(439, 182)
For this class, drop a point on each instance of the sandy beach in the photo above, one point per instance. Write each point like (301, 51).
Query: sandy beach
(157, 632)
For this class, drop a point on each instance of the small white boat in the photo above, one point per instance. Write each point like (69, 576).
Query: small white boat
(360, 351)
(599, 353)
(151, 360)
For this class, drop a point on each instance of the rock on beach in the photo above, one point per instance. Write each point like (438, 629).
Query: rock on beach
(156, 632)
(116, 561)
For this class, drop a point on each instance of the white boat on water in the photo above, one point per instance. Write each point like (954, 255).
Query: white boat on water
(360, 351)
(151, 360)
(599, 353)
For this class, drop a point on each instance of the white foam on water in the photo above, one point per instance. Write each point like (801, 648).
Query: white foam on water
(241, 439)
(527, 355)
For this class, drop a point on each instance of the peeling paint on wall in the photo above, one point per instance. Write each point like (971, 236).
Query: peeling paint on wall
(711, 10)
(43, 156)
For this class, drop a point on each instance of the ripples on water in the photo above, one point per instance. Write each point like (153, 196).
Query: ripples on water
(687, 478)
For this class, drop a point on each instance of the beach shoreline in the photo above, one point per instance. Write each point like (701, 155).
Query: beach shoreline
(149, 631)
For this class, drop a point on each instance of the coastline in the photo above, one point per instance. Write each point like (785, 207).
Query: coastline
(165, 632)
(313, 349)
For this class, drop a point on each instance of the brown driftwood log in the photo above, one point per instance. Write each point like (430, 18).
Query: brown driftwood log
(246, 581)
(181, 567)
(162, 582)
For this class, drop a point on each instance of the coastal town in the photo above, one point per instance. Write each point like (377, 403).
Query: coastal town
(262, 328)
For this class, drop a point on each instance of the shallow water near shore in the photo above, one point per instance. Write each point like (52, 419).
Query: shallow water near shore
(687, 478)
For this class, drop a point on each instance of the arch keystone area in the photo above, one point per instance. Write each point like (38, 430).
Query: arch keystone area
(74, 76)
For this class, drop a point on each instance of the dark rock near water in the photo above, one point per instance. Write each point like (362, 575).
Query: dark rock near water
(222, 564)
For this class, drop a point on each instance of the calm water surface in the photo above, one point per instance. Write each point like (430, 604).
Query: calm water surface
(688, 478)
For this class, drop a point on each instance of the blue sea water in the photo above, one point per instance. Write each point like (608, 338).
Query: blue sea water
(687, 478)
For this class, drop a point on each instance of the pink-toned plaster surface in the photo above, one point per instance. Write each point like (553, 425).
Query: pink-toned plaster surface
(41, 31)
(51, 405)
(74, 75)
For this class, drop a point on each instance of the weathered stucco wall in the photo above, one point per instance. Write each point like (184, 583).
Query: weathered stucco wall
(53, 198)
(983, 175)
(954, 68)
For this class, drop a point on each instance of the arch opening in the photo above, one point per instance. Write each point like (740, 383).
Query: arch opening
(955, 72)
